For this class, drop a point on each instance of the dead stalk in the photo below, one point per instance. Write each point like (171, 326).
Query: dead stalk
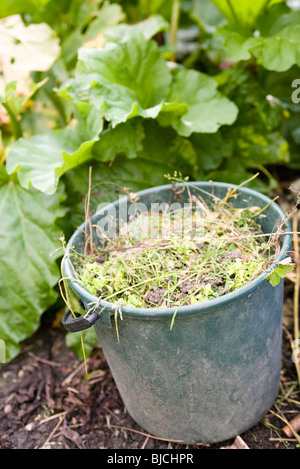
(88, 221)
(296, 291)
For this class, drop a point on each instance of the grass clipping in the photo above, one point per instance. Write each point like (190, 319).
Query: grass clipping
(173, 259)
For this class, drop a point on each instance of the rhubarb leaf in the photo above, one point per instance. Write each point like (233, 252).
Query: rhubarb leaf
(43, 159)
(28, 271)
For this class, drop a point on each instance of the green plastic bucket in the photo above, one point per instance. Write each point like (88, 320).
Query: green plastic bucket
(217, 372)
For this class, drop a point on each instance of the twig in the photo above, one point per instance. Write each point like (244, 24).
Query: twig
(43, 360)
(56, 416)
(283, 419)
(145, 443)
(259, 235)
(296, 292)
(114, 415)
(53, 431)
(88, 221)
(143, 433)
(238, 443)
(69, 378)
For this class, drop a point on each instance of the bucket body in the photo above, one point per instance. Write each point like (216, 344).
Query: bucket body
(216, 373)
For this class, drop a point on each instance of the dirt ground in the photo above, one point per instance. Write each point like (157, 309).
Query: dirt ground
(46, 401)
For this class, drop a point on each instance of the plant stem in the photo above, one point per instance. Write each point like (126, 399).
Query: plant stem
(174, 26)
(234, 15)
(15, 124)
(148, 8)
(2, 152)
(267, 173)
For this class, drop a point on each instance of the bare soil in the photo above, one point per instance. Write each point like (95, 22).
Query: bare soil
(46, 401)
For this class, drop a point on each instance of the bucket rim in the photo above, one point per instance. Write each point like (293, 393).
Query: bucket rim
(162, 312)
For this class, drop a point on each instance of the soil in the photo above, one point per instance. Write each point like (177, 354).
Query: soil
(47, 402)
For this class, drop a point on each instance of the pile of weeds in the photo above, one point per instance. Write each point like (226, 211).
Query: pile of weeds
(173, 259)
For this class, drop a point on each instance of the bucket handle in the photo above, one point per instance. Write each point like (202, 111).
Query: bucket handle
(81, 323)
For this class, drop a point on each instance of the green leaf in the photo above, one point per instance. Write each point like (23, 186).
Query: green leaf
(163, 152)
(148, 28)
(211, 151)
(163, 145)
(132, 79)
(145, 7)
(233, 170)
(206, 14)
(156, 145)
(12, 7)
(125, 138)
(243, 13)
(91, 19)
(17, 101)
(286, 267)
(274, 279)
(279, 52)
(90, 341)
(275, 44)
(28, 273)
(208, 109)
(280, 272)
(148, 169)
(256, 148)
(279, 85)
(236, 42)
(256, 136)
(43, 159)
(171, 111)
(122, 80)
(103, 18)
(276, 18)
